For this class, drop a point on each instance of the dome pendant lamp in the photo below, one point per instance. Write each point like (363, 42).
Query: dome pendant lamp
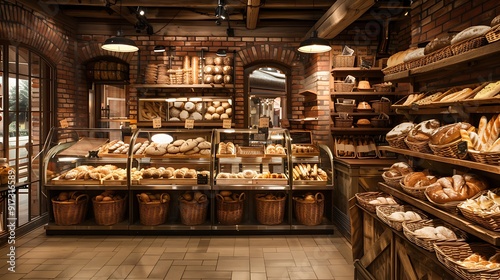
(119, 44)
(314, 44)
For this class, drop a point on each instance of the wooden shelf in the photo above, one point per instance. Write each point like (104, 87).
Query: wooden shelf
(360, 130)
(361, 114)
(489, 236)
(181, 124)
(485, 55)
(365, 93)
(201, 86)
(459, 162)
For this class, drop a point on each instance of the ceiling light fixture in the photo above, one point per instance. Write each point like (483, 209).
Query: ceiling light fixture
(119, 43)
(314, 44)
(221, 52)
(159, 49)
(220, 11)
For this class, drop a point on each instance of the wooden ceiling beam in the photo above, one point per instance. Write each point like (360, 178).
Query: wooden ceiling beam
(340, 15)
(253, 7)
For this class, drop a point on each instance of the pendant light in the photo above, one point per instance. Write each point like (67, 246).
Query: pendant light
(119, 43)
(314, 44)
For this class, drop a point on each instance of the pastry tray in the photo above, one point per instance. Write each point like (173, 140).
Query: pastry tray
(309, 182)
(234, 181)
(179, 181)
(75, 182)
(249, 151)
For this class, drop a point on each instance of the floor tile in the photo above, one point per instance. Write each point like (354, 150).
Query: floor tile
(233, 265)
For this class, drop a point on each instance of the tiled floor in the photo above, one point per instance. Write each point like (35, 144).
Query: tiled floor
(179, 257)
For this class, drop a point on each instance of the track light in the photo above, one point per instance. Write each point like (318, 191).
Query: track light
(141, 11)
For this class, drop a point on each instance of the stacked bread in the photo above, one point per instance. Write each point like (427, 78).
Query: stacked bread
(486, 204)
(303, 149)
(152, 109)
(217, 110)
(226, 148)
(193, 110)
(489, 91)
(486, 138)
(455, 188)
(479, 261)
(171, 173)
(381, 200)
(399, 57)
(399, 131)
(245, 174)
(180, 147)
(423, 131)
(88, 172)
(218, 70)
(308, 172)
(275, 149)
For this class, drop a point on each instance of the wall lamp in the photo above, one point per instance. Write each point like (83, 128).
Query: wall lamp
(314, 44)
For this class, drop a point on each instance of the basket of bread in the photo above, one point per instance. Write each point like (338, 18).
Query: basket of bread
(471, 261)
(395, 215)
(415, 184)
(370, 200)
(425, 233)
(484, 146)
(395, 173)
(418, 137)
(344, 105)
(469, 39)
(446, 140)
(230, 207)
(494, 34)
(397, 135)
(309, 208)
(153, 208)
(109, 208)
(69, 208)
(270, 208)
(193, 208)
(483, 210)
(447, 192)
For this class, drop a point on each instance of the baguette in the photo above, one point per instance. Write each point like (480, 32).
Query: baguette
(485, 139)
(488, 91)
(475, 140)
(495, 147)
(456, 96)
(495, 130)
(482, 127)
(465, 137)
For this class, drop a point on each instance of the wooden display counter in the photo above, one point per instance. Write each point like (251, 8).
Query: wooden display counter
(353, 176)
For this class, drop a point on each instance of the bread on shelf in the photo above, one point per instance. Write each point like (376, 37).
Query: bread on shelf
(455, 188)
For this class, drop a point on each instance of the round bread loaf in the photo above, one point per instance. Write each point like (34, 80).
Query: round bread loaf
(184, 115)
(437, 44)
(208, 116)
(229, 111)
(423, 131)
(228, 79)
(179, 104)
(174, 112)
(227, 60)
(217, 69)
(216, 103)
(225, 105)
(400, 130)
(220, 110)
(495, 21)
(448, 133)
(211, 110)
(470, 32)
(199, 107)
(208, 79)
(209, 60)
(188, 145)
(224, 116)
(189, 106)
(227, 70)
(215, 116)
(196, 116)
(218, 79)
(218, 60)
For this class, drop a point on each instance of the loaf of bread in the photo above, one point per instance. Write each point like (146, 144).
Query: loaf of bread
(455, 188)
(412, 98)
(457, 96)
(398, 57)
(418, 180)
(414, 54)
(401, 129)
(448, 133)
(398, 169)
(470, 32)
(423, 131)
(437, 44)
(488, 134)
(488, 91)
(495, 21)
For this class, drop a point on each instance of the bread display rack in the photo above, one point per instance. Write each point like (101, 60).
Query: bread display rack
(182, 164)
(409, 256)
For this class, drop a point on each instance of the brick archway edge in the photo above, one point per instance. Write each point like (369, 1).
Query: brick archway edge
(267, 52)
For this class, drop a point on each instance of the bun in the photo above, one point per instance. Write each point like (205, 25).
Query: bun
(189, 106)
(470, 32)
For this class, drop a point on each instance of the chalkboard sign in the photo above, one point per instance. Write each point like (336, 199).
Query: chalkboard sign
(301, 137)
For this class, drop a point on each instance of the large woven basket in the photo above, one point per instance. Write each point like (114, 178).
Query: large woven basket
(365, 198)
(383, 212)
(449, 150)
(154, 213)
(340, 86)
(193, 212)
(488, 220)
(340, 122)
(310, 213)
(344, 61)
(393, 181)
(437, 55)
(492, 158)
(449, 253)
(68, 213)
(108, 213)
(270, 211)
(420, 146)
(467, 45)
(415, 192)
(494, 34)
(451, 206)
(230, 212)
(398, 142)
(428, 243)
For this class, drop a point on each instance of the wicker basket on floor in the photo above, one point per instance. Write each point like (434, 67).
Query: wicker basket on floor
(154, 213)
(68, 213)
(230, 212)
(108, 213)
(193, 212)
(310, 213)
(270, 211)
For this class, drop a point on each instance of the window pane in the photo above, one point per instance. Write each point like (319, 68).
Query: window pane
(1, 61)
(35, 65)
(23, 200)
(23, 59)
(12, 59)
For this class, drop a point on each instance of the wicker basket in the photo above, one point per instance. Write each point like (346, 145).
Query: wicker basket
(415, 192)
(398, 142)
(310, 213)
(108, 213)
(492, 158)
(344, 61)
(383, 212)
(382, 87)
(68, 213)
(154, 213)
(449, 253)
(340, 122)
(490, 221)
(438, 55)
(451, 207)
(382, 106)
(270, 211)
(340, 86)
(365, 198)
(393, 181)
(415, 63)
(467, 45)
(193, 212)
(230, 212)
(428, 243)
(376, 122)
(421, 146)
(494, 34)
(394, 69)
(449, 150)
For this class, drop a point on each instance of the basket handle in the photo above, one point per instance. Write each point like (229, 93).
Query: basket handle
(319, 197)
(165, 196)
(81, 196)
(385, 99)
(219, 197)
(241, 197)
(202, 198)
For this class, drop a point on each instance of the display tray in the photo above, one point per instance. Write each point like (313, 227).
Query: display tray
(249, 151)
(83, 146)
(275, 155)
(225, 155)
(270, 181)
(179, 156)
(111, 155)
(234, 181)
(309, 182)
(179, 181)
(114, 182)
(311, 154)
(75, 182)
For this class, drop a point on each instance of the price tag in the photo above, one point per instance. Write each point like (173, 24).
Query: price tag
(226, 123)
(156, 122)
(264, 122)
(64, 123)
(462, 148)
(189, 124)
